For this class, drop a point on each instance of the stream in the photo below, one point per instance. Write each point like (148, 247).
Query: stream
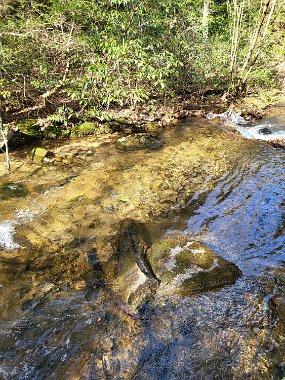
(61, 318)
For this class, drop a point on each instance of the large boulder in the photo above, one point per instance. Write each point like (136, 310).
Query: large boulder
(24, 132)
(188, 267)
(129, 271)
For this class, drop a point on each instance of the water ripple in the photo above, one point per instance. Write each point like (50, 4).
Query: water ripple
(243, 216)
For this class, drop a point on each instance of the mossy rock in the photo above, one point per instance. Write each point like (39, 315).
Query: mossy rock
(86, 129)
(120, 125)
(152, 127)
(139, 141)
(30, 128)
(25, 132)
(190, 267)
(38, 154)
(12, 190)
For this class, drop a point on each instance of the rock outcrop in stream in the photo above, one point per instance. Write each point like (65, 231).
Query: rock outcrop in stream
(188, 267)
(178, 264)
(129, 271)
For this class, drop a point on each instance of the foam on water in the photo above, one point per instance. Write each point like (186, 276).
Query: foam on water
(26, 215)
(7, 230)
(275, 132)
(254, 132)
(8, 227)
(230, 115)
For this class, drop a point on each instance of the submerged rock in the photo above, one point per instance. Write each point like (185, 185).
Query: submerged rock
(139, 141)
(129, 270)
(190, 267)
(12, 190)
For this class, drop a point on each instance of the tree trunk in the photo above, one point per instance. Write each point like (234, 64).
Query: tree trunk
(205, 18)
(258, 30)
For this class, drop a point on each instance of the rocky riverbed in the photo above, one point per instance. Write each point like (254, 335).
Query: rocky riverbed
(100, 278)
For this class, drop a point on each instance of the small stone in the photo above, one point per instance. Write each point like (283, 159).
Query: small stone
(79, 285)
(49, 160)
(265, 131)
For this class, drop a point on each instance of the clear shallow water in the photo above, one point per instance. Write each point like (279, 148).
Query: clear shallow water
(242, 218)
(197, 337)
(231, 333)
(212, 336)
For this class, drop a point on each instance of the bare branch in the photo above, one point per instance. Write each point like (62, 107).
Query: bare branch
(13, 34)
(5, 136)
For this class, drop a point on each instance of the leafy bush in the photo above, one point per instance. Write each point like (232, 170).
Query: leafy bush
(92, 55)
(85, 129)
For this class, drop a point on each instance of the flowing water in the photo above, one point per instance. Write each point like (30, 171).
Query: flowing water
(229, 194)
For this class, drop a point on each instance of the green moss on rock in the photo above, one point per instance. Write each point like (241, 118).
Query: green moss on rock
(190, 267)
(119, 125)
(29, 127)
(38, 154)
(152, 127)
(87, 128)
(12, 190)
